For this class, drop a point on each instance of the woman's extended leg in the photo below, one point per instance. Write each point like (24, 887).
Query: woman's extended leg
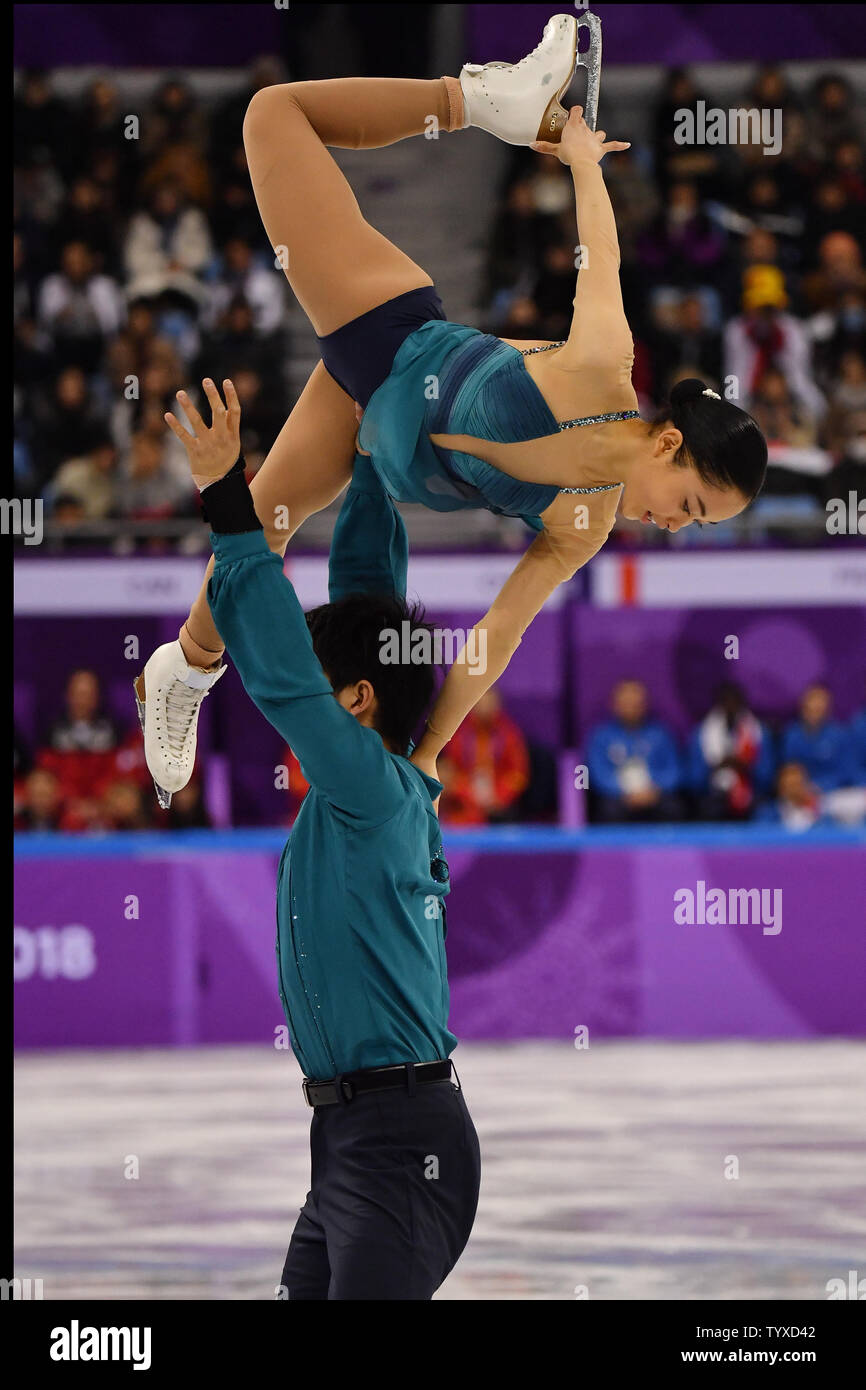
(309, 465)
(338, 266)
(336, 263)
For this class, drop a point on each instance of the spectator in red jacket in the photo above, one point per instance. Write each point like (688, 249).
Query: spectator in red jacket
(485, 767)
(80, 747)
(40, 806)
(122, 807)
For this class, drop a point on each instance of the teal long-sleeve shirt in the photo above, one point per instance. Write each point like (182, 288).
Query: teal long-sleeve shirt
(360, 917)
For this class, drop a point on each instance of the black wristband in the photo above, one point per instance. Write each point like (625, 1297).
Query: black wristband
(227, 505)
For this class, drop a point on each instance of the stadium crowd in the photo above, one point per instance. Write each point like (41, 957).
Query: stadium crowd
(135, 274)
(88, 774)
(807, 770)
(140, 265)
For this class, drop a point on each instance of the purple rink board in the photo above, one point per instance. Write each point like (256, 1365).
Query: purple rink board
(548, 932)
(679, 654)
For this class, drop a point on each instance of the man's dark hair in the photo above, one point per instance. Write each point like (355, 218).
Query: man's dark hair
(350, 638)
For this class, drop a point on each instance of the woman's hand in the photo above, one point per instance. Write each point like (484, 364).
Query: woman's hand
(579, 144)
(211, 452)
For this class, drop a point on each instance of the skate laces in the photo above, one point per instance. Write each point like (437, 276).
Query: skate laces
(531, 55)
(181, 708)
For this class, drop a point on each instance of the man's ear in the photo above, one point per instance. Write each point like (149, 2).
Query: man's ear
(364, 701)
(359, 700)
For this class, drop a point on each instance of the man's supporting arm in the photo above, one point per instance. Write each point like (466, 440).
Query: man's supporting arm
(369, 547)
(266, 634)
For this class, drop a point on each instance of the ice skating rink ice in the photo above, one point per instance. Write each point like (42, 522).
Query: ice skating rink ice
(604, 1170)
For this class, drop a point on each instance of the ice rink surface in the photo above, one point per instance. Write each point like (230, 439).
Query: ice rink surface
(608, 1172)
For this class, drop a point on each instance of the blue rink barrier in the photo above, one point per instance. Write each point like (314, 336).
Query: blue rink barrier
(509, 839)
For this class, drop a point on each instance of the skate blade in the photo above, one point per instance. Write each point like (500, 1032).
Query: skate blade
(162, 796)
(591, 60)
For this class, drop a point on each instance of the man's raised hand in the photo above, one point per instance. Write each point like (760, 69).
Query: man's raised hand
(213, 451)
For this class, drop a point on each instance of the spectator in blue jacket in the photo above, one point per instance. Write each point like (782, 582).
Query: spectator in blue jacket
(857, 731)
(633, 762)
(797, 804)
(822, 745)
(730, 759)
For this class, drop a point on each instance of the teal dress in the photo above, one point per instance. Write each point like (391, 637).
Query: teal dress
(450, 379)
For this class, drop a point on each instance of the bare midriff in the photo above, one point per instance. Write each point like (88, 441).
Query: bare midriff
(560, 459)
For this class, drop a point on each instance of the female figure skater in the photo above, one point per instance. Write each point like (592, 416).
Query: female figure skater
(449, 416)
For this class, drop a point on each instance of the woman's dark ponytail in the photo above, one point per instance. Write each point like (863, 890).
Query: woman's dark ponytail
(722, 442)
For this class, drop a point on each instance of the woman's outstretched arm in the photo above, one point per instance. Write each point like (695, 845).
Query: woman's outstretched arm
(554, 556)
(599, 336)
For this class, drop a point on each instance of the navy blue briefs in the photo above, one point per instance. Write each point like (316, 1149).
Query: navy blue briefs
(359, 355)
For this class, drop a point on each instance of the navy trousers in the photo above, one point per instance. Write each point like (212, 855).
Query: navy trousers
(393, 1194)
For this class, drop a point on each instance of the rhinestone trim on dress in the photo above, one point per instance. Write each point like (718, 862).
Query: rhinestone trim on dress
(600, 419)
(527, 352)
(587, 420)
(603, 487)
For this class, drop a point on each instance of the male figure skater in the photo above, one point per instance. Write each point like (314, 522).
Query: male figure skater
(360, 889)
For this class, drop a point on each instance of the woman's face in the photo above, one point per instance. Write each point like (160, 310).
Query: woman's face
(670, 495)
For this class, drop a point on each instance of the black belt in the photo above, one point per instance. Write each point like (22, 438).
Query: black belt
(356, 1083)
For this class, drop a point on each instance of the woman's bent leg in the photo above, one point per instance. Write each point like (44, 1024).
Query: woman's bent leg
(337, 264)
(307, 468)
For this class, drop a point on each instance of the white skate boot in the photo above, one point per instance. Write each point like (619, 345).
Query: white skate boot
(520, 102)
(168, 695)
